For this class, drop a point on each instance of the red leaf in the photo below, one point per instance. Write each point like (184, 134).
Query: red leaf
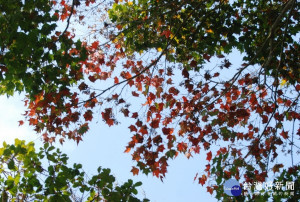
(132, 128)
(134, 115)
(210, 190)
(202, 180)
(265, 119)
(92, 78)
(154, 124)
(167, 131)
(135, 94)
(116, 80)
(143, 130)
(209, 156)
(166, 33)
(88, 115)
(95, 44)
(193, 63)
(185, 73)
(206, 57)
(182, 147)
(126, 75)
(21, 122)
(110, 122)
(156, 173)
(284, 134)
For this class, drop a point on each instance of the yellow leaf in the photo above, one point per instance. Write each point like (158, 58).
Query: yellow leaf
(130, 3)
(209, 31)
(159, 49)
(283, 82)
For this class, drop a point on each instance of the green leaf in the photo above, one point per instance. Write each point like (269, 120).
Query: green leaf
(11, 164)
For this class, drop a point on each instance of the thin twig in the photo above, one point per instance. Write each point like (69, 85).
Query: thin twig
(69, 18)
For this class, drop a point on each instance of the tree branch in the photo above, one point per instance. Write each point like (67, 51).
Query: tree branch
(69, 18)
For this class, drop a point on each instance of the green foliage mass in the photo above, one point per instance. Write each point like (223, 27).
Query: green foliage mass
(198, 30)
(44, 175)
(33, 56)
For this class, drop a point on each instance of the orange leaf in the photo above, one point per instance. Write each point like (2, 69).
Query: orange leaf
(95, 44)
(116, 80)
(135, 170)
(156, 173)
(143, 130)
(110, 122)
(21, 123)
(127, 150)
(182, 147)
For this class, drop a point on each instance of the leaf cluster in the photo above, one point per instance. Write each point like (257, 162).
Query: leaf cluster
(44, 175)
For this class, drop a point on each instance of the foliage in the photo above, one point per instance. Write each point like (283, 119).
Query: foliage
(25, 176)
(167, 66)
(32, 53)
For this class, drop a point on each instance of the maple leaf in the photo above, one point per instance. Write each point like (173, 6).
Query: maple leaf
(154, 123)
(110, 122)
(185, 73)
(167, 131)
(132, 128)
(116, 80)
(284, 134)
(156, 172)
(127, 150)
(182, 147)
(210, 190)
(277, 167)
(88, 115)
(202, 180)
(134, 115)
(95, 44)
(209, 156)
(143, 130)
(193, 63)
(21, 123)
(166, 33)
(135, 171)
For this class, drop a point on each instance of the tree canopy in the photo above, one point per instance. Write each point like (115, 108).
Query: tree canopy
(169, 67)
(25, 177)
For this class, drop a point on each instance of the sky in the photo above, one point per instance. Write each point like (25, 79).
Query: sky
(104, 146)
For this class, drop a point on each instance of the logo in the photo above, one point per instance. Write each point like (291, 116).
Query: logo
(232, 187)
